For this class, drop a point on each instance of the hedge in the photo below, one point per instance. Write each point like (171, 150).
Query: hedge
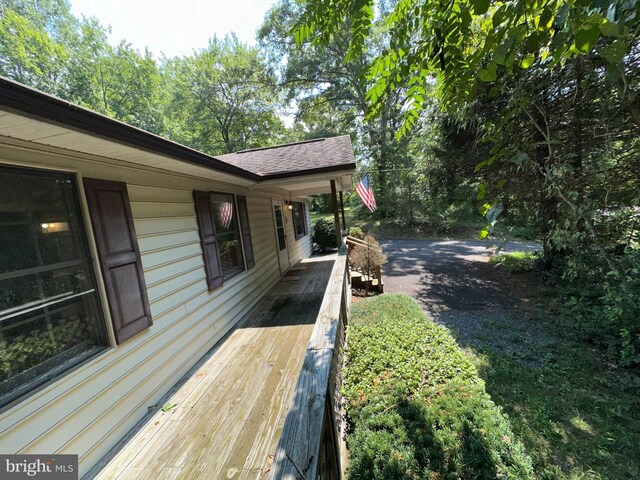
(416, 407)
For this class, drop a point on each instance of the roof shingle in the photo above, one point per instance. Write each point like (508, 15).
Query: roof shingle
(318, 154)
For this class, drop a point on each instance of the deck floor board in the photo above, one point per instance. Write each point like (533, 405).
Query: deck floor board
(230, 412)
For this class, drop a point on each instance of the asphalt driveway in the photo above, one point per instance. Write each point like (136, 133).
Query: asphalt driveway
(454, 282)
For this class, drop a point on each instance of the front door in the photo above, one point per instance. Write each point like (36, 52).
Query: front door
(281, 236)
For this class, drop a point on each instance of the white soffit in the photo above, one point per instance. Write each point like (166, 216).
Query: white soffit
(43, 133)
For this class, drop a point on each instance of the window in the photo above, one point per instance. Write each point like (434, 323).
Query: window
(299, 220)
(50, 316)
(225, 235)
(228, 234)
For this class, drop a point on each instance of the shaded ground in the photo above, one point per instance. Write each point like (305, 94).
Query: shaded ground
(578, 416)
(455, 283)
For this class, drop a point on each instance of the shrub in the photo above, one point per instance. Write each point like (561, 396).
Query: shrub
(367, 259)
(599, 305)
(356, 232)
(516, 262)
(415, 404)
(324, 234)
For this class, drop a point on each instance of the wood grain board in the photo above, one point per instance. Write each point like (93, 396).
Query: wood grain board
(299, 446)
(229, 414)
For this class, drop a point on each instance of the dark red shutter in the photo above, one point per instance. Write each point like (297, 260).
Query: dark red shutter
(119, 256)
(243, 214)
(208, 240)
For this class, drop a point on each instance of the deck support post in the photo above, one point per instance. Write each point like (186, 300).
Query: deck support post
(336, 215)
(344, 222)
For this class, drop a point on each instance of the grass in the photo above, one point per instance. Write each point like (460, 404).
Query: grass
(578, 416)
(516, 262)
(416, 406)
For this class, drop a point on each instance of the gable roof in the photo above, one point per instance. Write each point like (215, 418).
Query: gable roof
(311, 156)
(298, 159)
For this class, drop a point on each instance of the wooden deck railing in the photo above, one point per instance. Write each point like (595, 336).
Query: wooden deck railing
(311, 445)
(369, 280)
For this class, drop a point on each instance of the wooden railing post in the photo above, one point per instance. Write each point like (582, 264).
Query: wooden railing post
(336, 215)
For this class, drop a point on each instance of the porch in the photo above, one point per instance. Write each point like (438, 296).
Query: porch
(262, 403)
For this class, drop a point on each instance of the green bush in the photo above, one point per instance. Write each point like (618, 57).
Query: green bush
(599, 305)
(415, 404)
(324, 234)
(516, 262)
(356, 232)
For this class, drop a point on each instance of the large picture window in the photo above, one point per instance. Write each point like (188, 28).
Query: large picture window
(50, 317)
(299, 220)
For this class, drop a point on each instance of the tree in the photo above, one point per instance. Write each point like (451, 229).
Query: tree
(330, 93)
(28, 53)
(223, 99)
(44, 46)
(541, 98)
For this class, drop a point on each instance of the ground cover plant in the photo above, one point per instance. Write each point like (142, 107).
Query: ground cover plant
(415, 404)
(516, 262)
(577, 414)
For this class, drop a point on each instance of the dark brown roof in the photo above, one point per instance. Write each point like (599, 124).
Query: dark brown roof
(312, 156)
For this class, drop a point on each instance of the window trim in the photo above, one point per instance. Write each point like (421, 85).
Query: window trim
(239, 233)
(90, 234)
(209, 241)
(99, 351)
(303, 214)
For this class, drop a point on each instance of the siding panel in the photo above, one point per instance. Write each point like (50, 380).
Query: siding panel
(88, 410)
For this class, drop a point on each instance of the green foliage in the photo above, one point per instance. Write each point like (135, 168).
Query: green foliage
(469, 42)
(324, 234)
(600, 305)
(575, 413)
(32, 348)
(223, 99)
(416, 406)
(516, 262)
(356, 232)
(218, 100)
(526, 87)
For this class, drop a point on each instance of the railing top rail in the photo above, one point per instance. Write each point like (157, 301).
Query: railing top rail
(357, 241)
(299, 445)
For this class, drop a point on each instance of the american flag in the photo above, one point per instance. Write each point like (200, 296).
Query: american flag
(225, 214)
(366, 193)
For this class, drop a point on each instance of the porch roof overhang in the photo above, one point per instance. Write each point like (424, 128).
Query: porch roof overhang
(29, 115)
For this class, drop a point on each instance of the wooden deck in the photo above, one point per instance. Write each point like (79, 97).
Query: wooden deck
(229, 413)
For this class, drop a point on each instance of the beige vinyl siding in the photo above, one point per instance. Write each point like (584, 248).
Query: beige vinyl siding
(87, 411)
(301, 248)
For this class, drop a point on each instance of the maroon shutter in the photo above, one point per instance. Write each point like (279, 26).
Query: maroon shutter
(119, 256)
(208, 240)
(243, 215)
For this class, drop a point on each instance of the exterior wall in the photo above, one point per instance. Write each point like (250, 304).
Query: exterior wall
(301, 248)
(89, 409)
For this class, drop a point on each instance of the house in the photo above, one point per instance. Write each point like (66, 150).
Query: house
(125, 257)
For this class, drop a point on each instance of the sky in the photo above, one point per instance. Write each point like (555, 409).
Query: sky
(175, 27)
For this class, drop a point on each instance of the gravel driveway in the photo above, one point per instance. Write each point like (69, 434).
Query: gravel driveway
(455, 284)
